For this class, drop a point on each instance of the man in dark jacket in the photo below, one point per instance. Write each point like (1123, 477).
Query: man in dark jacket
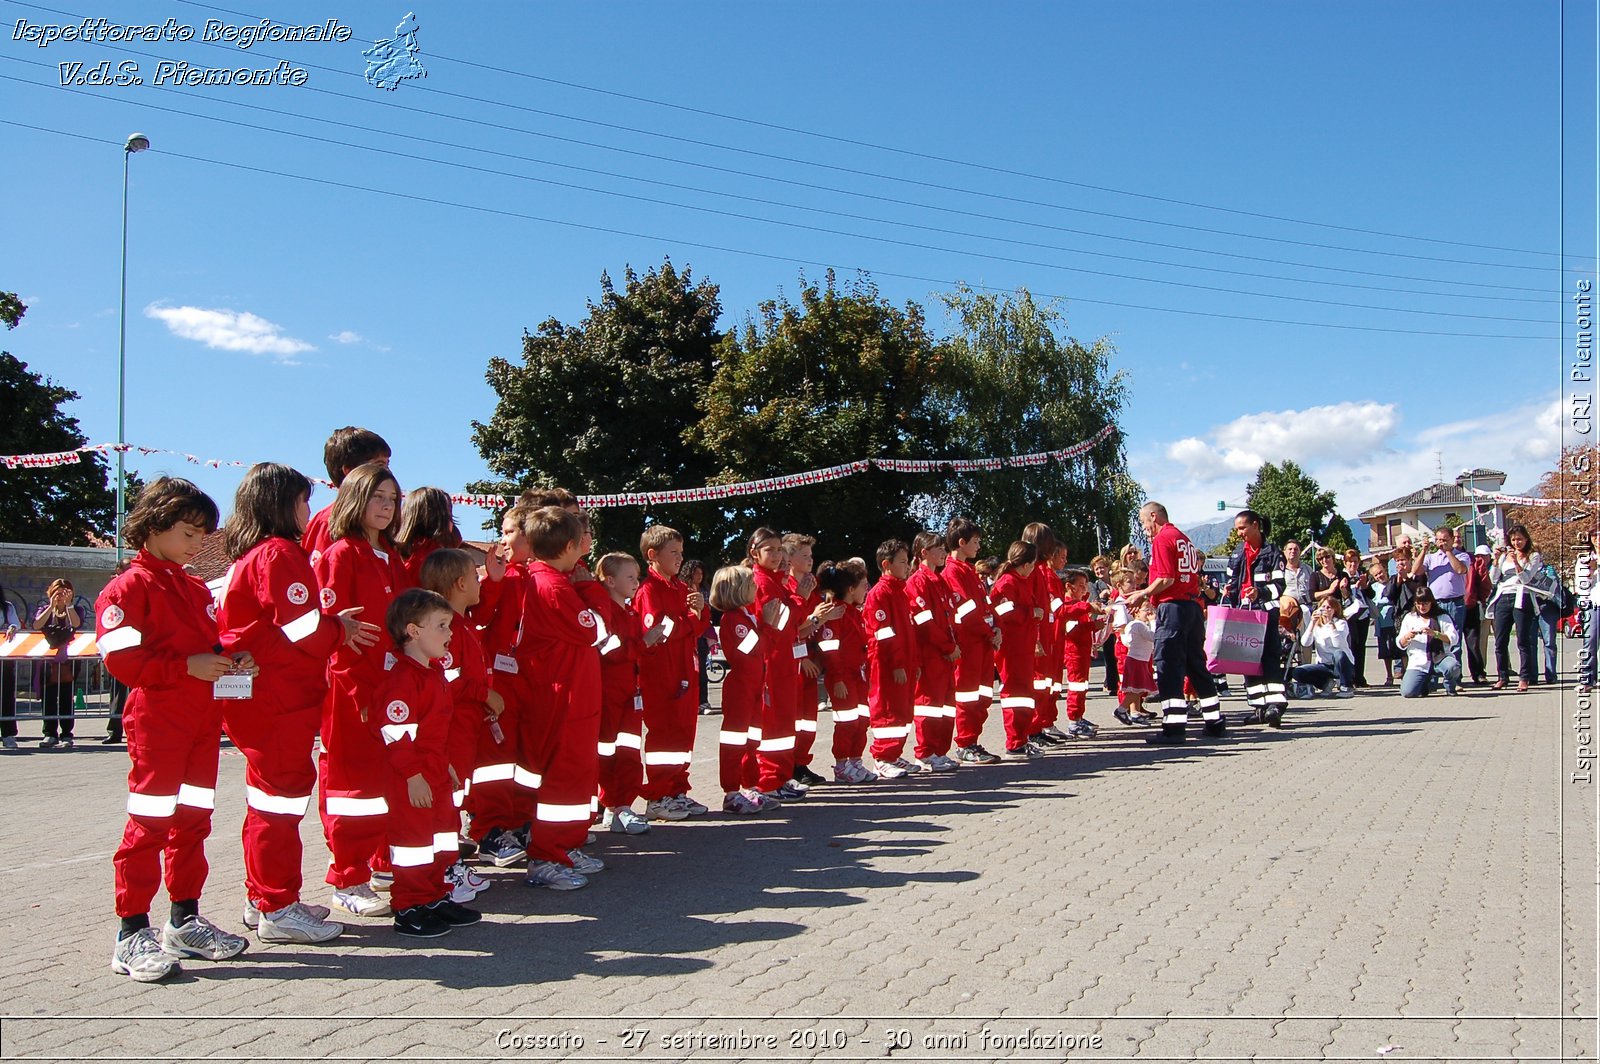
(1256, 579)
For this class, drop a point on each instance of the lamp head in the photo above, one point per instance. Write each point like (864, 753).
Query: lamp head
(136, 142)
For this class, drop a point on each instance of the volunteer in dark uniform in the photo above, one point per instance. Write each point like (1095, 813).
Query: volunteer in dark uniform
(1256, 582)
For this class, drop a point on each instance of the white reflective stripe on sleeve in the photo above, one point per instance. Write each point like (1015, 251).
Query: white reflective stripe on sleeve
(493, 773)
(611, 644)
(923, 617)
(771, 745)
(119, 639)
(152, 805)
(667, 757)
(827, 645)
(452, 675)
(262, 802)
(197, 797)
(1077, 685)
(783, 615)
(561, 814)
(629, 740)
(800, 650)
(965, 608)
(342, 806)
(733, 738)
(883, 633)
(805, 725)
(1055, 604)
(525, 778)
(1004, 607)
(302, 627)
(606, 749)
(666, 627)
(446, 842)
(1277, 574)
(966, 696)
(748, 643)
(393, 733)
(410, 856)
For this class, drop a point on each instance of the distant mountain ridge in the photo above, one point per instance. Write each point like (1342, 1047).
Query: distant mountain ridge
(1213, 533)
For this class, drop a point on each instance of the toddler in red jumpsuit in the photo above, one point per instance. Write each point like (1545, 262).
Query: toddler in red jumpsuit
(621, 702)
(733, 594)
(891, 661)
(410, 716)
(1080, 625)
(842, 646)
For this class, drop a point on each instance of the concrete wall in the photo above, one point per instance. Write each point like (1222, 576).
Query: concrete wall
(26, 569)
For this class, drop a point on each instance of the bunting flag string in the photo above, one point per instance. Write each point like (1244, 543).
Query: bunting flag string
(707, 493)
(1514, 500)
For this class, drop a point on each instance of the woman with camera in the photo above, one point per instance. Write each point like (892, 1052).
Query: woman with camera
(57, 620)
(1517, 575)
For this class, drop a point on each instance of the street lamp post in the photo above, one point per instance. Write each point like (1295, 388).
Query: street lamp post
(137, 142)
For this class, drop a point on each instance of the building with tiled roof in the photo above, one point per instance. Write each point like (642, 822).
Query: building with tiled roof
(1418, 513)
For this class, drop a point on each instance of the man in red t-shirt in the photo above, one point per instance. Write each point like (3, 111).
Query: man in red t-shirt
(1174, 587)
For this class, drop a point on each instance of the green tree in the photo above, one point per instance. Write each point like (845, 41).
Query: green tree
(1228, 546)
(605, 406)
(1290, 500)
(1338, 535)
(840, 375)
(64, 505)
(1019, 384)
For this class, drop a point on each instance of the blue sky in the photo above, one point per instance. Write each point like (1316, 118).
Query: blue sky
(265, 310)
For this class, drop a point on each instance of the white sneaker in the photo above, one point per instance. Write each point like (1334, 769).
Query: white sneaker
(140, 957)
(474, 880)
(585, 865)
(664, 809)
(382, 882)
(252, 915)
(625, 822)
(199, 937)
(891, 770)
(361, 900)
(690, 806)
(297, 923)
(461, 892)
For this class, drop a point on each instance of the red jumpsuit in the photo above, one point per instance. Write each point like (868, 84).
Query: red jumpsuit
(891, 645)
(410, 718)
(269, 607)
(621, 708)
(775, 751)
(743, 693)
(501, 796)
(561, 731)
(1077, 650)
(929, 603)
(842, 646)
(1048, 594)
(466, 673)
(316, 539)
(670, 682)
(149, 620)
(1019, 637)
(806, 697)
(351, 768)
(973, 619)
(411, 564)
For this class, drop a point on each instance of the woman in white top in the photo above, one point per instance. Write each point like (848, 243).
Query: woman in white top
(1329, 633)
(1516, 568)
(1426, 636)
(1586, 586)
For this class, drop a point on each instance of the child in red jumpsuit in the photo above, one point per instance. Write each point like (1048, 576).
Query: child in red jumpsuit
(891, 662)
(410, 716)
(1080, 624)
(733, 594)
(157, 634)
(1012, 596)
(842, 646)
(937, 654)
(977, 638)
(621, 703)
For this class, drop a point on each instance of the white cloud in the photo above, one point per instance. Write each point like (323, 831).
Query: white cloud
(1352, 449)
(347, 336)
(1302, 436)
(228, 330)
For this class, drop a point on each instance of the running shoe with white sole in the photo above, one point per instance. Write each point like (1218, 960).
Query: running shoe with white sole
(690, 806)
(199, 937)
(141, 958)
(501, 848)
(906, 765)
(361, 900)
(740, 804)
(252, 915)
(297, 923)
(555, 876)
(976, 755)
(382, 882)
(891, 770)
(625, 822)
(584, 864)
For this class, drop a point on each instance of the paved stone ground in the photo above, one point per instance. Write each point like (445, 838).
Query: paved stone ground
(1382, 872)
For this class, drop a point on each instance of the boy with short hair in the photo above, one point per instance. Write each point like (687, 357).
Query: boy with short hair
(1080, 620)
(891, 661)
(621, 705)
(804, 585)
(561, 730)
(937, 653)
(667, 675)
(450, 574)
(977, 638)
(411, 713)
(347, 449)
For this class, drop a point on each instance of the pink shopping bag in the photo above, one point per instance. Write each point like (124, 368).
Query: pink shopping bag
(1235, 639)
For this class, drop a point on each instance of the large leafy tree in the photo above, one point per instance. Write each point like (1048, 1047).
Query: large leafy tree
(1561, 532)
(605, 406)
(840, 374)
(68, 504)
(1019, 384)
(1291, 501)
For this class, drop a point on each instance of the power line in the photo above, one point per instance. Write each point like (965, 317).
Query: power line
(860, 173)
(366, 127)
(771, 256)
(1012, 260)
(931, 157)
